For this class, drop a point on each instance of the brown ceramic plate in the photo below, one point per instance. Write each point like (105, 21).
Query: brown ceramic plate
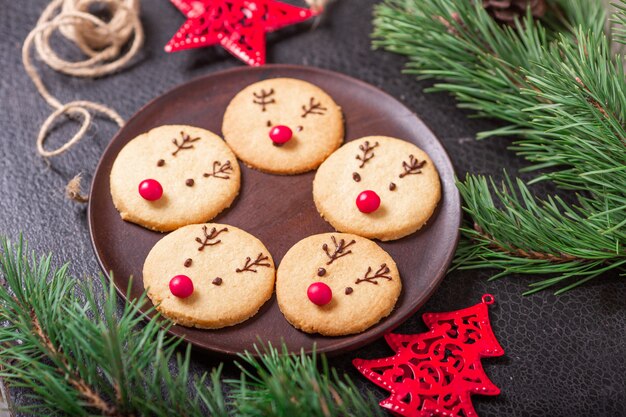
(279, 210)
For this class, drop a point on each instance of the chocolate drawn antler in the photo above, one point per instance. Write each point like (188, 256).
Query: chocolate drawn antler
(340, 249)
(380, 274)
(367, 152)
(220, 171)
(209, 236)
(262, 98)
(250, 264)
(313, 108)
(412, 167)
(186, 142)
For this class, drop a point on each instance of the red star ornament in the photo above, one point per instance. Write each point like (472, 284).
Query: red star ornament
(434, 373)
(238, 25)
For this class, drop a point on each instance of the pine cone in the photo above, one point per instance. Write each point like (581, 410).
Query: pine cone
(505, 11)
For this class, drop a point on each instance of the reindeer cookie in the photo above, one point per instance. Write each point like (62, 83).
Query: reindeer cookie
(172, 176)
(209, 275)
(377, 187)
(283, 126)
(336, 284)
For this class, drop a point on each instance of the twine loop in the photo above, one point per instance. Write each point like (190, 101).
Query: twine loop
(92, 37)
(101, 40)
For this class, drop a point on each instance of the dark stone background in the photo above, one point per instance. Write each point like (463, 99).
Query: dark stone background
(565, 356)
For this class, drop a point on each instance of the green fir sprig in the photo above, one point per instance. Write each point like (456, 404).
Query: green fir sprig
(76, 356)
(562, 94)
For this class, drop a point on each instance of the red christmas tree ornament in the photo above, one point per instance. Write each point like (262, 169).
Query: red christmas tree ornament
(238, 25)
(434, 373)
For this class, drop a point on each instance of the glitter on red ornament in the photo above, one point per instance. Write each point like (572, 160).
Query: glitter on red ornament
(434, 373)
(368, 201)
(181, 286)
(150, 189)
(280, 134)
(239, 26)
(319, 293)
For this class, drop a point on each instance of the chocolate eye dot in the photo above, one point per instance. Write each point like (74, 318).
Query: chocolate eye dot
(188, 262)
(217, 281)
(321, 272)
(269, 123)
(161, 162)
(392, 186)
(299, 129)
(189, 182)
(349, 290)
(356, 177)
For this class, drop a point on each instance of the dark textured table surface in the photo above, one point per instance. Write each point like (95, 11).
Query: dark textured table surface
(565, 356)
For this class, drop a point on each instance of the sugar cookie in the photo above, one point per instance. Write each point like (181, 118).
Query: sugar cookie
(336, 284)
(377, 187)
(209, 275)
(283, 126)
(172, 176)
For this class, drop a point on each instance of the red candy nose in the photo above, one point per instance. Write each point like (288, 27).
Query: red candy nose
(280, 134)
(150, 190)
(319, 293)
(181, 286)
(368, 201)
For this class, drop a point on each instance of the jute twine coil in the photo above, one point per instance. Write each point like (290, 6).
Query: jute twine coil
(102, 43)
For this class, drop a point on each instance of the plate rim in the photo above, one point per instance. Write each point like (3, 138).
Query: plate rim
(342, 346)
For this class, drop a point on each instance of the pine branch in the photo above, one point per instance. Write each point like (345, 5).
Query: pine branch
(561, 92)
(76, 356)
(279, 384)
(618, 20)
(519, 234)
